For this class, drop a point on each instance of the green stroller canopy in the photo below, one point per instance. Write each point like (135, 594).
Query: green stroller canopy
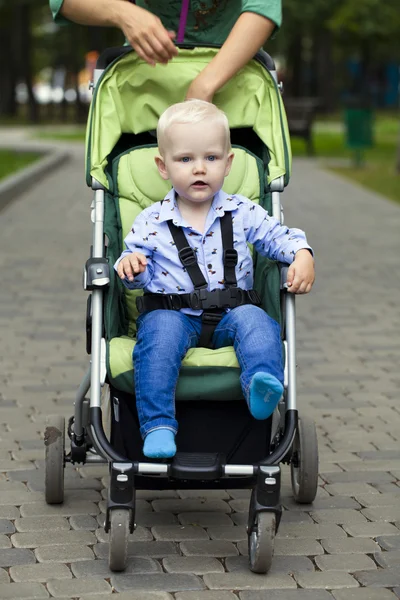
(131, 95)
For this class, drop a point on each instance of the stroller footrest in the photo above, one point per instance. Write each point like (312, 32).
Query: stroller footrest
(192, 465)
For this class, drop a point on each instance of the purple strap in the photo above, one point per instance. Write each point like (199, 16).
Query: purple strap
(182, 21)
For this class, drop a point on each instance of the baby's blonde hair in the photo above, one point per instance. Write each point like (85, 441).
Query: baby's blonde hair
(190, 111)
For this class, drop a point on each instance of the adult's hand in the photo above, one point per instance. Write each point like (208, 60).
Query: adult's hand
(200, 89)
(146, 34)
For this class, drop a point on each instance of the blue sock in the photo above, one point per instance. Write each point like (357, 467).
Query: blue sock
(264, 395)
(160, 443)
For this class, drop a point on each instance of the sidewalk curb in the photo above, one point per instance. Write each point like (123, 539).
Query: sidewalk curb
(16, 183)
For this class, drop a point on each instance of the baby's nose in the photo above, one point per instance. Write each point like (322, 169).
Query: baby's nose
(199, 166)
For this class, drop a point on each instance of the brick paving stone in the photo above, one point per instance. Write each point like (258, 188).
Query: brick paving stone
(372, 530)
(384, 513)
(62, 538)
(287, 595)
(23, 591)
(208, 548)
(16, 556)
(288, 516)
(132, 595)
(207, 494)
(151, 519)
(378, 500)
(389, 559)
(380, 578)
(323, 503)
(192, 564)
(206, 595)
(179, 533)
(229, 534)
(338, 516)
(38, 509)
(313, 531)
(350, 546)
(4, 541)
(281, 564)
(29, 524)
(150, 495)
(68, 553)
(150, 549)
(328, 580)
(191, 505)
(389, 542)
(248, 581)
(363, 594)
(205, 519)
(100, 568)
(65, 588)
(12, 486)
(361, 476)
(4, 577)
(168, 582)
(39, 572)
(344, 562)
(397, 591)
(350, 489)
(83, 522)
(6, 526)
(9, 512)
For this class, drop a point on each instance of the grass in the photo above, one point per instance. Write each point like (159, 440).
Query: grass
(11, 161)
(77, 135)
(378, 171)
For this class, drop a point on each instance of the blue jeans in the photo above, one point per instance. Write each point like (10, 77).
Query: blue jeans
(164, 337)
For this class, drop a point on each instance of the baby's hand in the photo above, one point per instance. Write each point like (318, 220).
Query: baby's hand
(132, 264)
(301, 273)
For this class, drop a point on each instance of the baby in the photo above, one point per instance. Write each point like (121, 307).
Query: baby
(196, 156)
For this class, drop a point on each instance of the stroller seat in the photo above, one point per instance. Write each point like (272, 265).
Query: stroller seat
(136, 184)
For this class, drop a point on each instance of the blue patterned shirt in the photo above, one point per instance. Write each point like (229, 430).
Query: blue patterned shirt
(165, 273)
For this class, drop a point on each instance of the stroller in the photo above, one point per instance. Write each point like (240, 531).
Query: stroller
(129, 96)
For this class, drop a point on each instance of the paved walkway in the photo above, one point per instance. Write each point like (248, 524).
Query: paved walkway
(346, 546)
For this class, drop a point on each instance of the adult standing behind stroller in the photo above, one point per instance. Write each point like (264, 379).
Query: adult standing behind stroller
(241, 27)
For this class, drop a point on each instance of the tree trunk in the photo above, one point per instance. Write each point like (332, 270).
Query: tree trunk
(8, 77)
(324, 69)
(25, 21)
(295, 62)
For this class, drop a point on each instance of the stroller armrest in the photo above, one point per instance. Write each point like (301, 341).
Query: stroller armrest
(283, 271)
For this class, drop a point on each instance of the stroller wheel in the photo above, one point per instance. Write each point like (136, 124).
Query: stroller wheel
(304, 462)
(261, 542)
(119, 537)
(54, 440)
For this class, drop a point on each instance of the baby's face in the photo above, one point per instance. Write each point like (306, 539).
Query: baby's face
(196, 159)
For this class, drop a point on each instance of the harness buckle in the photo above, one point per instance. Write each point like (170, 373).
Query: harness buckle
(230, 257)
(187, 256)
(175, 301)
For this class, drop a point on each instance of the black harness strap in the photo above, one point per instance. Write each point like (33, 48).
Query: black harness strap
(187, 256)
(230, 255)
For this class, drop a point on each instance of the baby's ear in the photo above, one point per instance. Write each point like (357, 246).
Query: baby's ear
(162, 169)
(229, 163)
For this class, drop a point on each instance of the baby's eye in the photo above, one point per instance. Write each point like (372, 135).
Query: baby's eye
(185, 159)
(211, 157)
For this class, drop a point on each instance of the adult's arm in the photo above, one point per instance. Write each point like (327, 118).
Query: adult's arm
(142, 29)
(248, 35)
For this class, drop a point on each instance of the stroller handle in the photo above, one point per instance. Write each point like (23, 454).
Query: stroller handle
(110, 54)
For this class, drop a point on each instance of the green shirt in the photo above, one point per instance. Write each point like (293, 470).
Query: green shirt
(208, 22)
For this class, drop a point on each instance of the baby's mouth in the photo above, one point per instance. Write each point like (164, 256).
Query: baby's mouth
(199, 183)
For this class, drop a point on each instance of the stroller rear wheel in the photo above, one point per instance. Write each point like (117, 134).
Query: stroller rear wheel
(304, 462)
(119, 538)
(261, 542)
(54, 440)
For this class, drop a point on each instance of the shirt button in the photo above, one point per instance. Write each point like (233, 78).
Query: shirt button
(209, 266)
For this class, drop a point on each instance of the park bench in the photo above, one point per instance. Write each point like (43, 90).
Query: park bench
(300, 115)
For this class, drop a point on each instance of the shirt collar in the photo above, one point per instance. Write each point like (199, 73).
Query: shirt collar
(222, 203)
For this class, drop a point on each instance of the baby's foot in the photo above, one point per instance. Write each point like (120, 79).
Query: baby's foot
(265, 393)
(160, 443)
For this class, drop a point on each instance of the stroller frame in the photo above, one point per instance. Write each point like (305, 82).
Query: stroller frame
(293, 440)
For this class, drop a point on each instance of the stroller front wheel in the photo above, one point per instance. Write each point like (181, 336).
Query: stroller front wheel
(304, 462)
(261, 542)
(54, 440)
(119, 538)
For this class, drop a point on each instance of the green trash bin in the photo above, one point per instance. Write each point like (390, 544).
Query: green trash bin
(359, 130)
